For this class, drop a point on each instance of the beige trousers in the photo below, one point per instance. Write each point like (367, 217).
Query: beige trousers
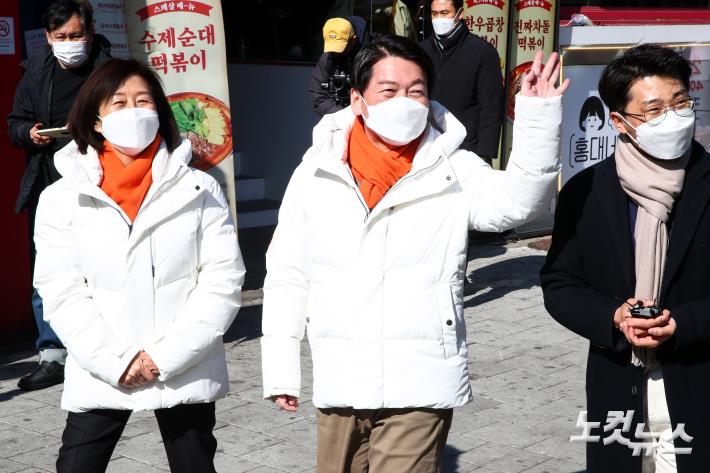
(381, 440)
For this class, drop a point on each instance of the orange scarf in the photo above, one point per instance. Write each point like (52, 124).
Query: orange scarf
(374, 170)
(128, 185)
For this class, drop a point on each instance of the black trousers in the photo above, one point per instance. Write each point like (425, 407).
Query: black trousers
(90, 437)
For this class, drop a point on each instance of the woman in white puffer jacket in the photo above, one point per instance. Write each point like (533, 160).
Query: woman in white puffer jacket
(140, 272)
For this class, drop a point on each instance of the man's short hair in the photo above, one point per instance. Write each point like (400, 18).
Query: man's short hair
(389, 45)
(458, 4)
(636, 63)
(61, 11)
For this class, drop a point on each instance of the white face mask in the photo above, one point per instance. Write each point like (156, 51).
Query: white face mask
(443, 26)
(130, 130)
(670, 139)
(70, 53)
(397, 121)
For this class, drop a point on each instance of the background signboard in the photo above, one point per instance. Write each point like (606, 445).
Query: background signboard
(183, 41)
(588, 136)
(7, 35)
(488, 19)
(110, 21)
(533, 27)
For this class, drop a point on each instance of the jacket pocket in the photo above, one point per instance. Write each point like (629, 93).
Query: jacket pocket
(447, 316)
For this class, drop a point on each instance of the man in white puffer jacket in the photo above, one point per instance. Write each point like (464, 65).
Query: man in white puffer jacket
(379, 281)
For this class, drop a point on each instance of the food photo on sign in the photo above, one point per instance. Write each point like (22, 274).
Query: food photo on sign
(206, 122)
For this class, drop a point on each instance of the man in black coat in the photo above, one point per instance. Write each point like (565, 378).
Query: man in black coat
(654, 371)
(468, 78)
(50, 83)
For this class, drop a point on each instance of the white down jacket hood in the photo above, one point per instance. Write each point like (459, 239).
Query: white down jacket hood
(169, 282)
(381, 291)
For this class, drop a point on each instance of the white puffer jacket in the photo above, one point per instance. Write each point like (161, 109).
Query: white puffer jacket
(169, 283)
(381, 292)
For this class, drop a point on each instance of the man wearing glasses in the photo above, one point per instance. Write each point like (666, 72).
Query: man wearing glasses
(629, 269)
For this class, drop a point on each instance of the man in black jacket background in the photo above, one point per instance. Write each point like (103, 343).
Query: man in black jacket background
(51, 81)
(468, 78)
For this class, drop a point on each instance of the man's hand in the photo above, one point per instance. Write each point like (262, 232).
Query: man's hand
(286, 403)
(540, 82)
(643, 332)
(38, 139)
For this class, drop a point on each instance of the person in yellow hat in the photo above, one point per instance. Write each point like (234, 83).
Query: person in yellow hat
(330, 85)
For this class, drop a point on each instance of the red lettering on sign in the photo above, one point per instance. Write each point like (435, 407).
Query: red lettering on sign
(533, 3)
(496, 3)
(172, 7)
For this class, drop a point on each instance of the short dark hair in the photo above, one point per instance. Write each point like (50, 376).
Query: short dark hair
(636, 63)
(61, 11)
(592, 106)
(458, 4)
(100, 87)
(389, 45)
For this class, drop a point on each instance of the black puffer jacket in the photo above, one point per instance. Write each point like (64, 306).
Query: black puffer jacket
(33, 103)
(470, 85)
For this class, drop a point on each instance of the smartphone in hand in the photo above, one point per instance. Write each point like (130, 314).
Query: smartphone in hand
(62, 132)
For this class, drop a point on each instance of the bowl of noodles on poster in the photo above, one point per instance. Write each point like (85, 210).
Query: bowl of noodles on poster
(207, 123)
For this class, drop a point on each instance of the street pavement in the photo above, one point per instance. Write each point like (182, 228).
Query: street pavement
(527, 374)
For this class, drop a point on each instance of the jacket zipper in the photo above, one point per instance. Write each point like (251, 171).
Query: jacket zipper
(411, 176)
(120, 213)
(157, 191)
(368, 212)
(355, 189)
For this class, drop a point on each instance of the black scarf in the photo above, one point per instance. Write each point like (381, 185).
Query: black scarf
(446, 42)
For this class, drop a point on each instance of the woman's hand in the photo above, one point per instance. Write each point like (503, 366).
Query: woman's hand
(149, 364)
(141, 370)
(540, 82)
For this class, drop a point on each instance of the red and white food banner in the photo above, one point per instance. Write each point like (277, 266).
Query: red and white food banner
(488, 19)
(183, 41)
(532, 29)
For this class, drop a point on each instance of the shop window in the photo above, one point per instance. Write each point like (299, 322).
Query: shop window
(637, 3)
(285, 31)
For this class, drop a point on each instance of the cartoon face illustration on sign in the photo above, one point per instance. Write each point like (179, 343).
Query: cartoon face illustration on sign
(592, 116)
(596, 142)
